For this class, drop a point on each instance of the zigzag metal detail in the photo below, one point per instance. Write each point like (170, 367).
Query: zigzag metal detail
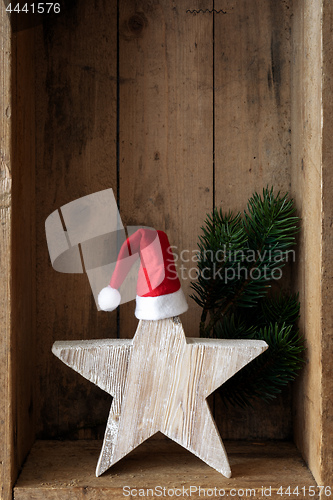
(206, 11)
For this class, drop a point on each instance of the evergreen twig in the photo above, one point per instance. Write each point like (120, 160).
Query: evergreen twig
(239, 257)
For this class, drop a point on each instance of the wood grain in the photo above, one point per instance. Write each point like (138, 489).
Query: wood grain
(23, 246)
(17, 250)
(252, 52)
(275, 421)
(65, 471)
(166, 120)
(76, 81)
(165, 132)
(252, 99)
(306, 189)
(264, 67)
(160, 381)
(327, 268)
(6, 417)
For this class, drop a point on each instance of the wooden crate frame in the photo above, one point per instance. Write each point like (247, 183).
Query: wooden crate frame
(311, 179)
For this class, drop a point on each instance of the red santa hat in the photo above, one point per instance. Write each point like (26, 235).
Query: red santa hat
(159, 294)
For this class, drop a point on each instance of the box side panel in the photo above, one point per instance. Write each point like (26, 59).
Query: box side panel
(327, 266)
(6, 444)
(23, 244)
(306, 188)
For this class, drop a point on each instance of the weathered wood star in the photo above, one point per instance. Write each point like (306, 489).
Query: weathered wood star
(160, 381)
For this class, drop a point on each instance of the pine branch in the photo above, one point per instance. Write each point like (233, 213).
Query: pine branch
(266, 375)
(232, 289)
(252, 247)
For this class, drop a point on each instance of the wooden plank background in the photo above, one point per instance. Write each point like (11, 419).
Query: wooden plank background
(252, 47)
(178, 112)
(175, 111)
(252, 99)
(166, 116)
(76, 81)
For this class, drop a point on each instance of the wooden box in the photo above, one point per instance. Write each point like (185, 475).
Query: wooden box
(178, 107)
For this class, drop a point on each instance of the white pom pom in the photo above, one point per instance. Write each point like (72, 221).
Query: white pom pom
(108, 298)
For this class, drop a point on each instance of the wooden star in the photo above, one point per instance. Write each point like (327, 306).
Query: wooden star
(160, 381)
